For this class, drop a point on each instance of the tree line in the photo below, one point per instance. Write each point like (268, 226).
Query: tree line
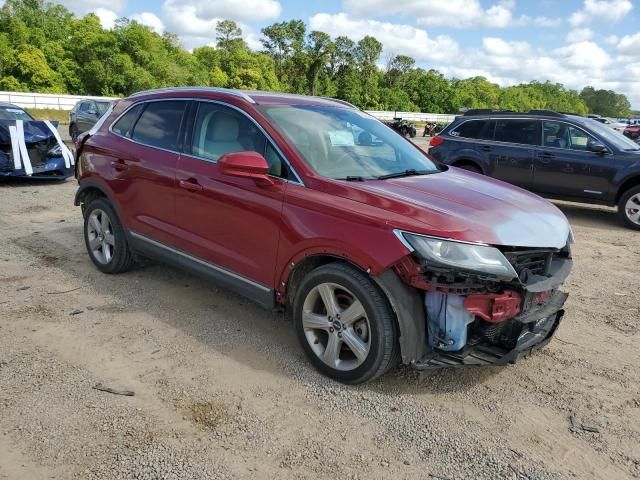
(45, 48)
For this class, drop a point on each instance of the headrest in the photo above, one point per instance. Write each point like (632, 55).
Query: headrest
(225, 128)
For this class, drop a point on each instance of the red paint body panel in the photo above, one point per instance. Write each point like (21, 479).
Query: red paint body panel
(232, 222)
(258, 230)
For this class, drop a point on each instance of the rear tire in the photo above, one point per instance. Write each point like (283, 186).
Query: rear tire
(105, 238)
(629, 208)
(354, 339)
(73, 132)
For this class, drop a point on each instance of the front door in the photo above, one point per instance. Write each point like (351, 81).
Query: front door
(511, 154)
(231, 223)
(565, 167)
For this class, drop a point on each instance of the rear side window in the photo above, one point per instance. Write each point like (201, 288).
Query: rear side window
(475, 129)
(123, 126)
(563, 135)
(518, 131)
(159, 124)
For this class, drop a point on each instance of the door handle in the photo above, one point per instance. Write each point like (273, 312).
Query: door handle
(119, 165)
(485, 148)
(191, 185)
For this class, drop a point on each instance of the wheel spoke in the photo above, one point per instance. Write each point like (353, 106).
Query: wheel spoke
(635, 217)
(104, 220)
(329, 299)
(313, 321)
(354, 312)
(109, 239)
(332, 351)
(106, 252)
(95, 223)
(359, 348)
(94, 243)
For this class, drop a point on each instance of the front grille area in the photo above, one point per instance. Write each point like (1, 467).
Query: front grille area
(530, 262)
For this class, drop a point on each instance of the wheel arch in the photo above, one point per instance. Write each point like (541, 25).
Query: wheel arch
(405, 301)
(468, 161)
(634, 181)
(89, 190)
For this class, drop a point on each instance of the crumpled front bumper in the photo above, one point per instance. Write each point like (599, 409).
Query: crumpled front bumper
(538, 327)
(52, 169)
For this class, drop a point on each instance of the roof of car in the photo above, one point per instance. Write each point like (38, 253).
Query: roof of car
(10, 105)
(543, 114)
(257, 97)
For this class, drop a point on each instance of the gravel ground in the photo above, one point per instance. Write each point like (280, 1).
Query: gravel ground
(222, 390)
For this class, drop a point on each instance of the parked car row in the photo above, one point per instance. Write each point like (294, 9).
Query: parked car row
(556, 155)
(381, 253)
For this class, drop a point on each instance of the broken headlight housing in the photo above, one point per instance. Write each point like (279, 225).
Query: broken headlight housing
(470, 257)
(55, 151)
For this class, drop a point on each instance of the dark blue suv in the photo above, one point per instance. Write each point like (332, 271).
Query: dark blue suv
(562, 156)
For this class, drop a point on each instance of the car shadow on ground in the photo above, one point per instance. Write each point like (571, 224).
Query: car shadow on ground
(591, 216)
(226, 323)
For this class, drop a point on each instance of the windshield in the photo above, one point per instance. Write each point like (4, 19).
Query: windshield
(618, 140)
(347, 144)
(14, 113)
(103, 107)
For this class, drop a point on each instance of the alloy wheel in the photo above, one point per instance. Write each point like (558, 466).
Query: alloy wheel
(100, 236)
(336, 326)
(632, 209)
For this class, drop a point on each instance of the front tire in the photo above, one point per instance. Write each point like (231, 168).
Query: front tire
(345, 324)
(73, 132)
(629, 208)
(105, 238)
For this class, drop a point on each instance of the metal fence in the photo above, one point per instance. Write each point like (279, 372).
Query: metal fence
(43, 100)
(66, 102)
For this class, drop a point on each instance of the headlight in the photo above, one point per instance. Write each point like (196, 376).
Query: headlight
(463, 256)
(55, 151)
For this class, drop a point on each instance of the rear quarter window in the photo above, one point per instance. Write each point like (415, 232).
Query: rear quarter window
(159, 124)
(474, 129)
(124, 124)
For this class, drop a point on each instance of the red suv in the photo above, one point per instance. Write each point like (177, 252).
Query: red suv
(310, 204)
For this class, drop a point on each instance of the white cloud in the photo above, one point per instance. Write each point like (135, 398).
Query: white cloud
(396, 38)
(579, 35)
(194, 21)
(149, 19)
(82, 7)
(600, 10)
(107, 17)
(612, 39)
(630, 45)
(451, 13)
(238, 10)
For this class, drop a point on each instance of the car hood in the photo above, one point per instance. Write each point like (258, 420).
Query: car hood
(469, 207)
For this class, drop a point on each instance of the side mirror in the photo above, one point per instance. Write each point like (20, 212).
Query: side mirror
(92, 111)
(598, 148)
(246, 165)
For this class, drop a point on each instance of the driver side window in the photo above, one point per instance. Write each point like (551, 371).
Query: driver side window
(563, 135)
(219, 130)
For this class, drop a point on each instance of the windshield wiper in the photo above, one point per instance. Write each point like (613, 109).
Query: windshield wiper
(405, 173)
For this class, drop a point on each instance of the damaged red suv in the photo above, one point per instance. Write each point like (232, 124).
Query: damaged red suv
(381, 254)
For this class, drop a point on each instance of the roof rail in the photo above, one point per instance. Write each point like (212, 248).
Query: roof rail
(548, 113)
(484, 111)
(236, 93)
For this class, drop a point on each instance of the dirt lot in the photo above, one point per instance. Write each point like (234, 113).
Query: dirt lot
(222, 389)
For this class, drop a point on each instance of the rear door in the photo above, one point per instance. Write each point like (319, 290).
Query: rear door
(231, 223)
(146, 167)
(87, 115)
(512, 151)
(565, 167)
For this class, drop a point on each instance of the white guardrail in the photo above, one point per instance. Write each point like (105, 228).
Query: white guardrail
(66, 102)
(44, 100)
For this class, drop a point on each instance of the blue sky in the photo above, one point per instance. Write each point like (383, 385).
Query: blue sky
(575, 42)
